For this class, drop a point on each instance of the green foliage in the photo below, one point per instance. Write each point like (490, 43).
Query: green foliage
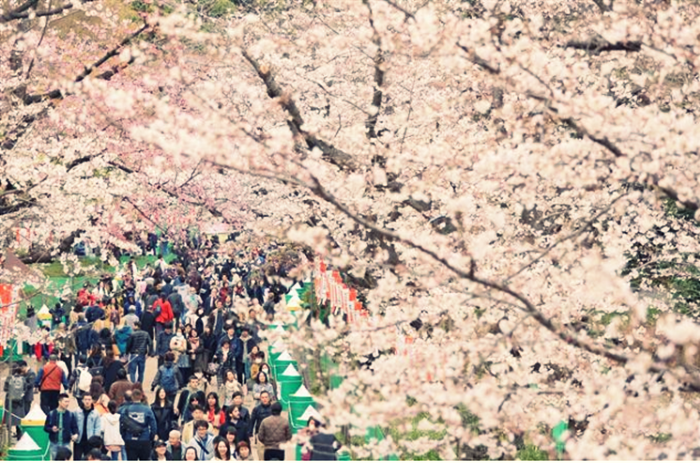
(661, 437)
(142, 7)
(220, 8)
(407, 430)
(531, 453)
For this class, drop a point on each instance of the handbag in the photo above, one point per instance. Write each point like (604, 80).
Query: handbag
(213, 368)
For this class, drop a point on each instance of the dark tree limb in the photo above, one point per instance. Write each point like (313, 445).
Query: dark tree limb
(371, 122)
(13, 135)
(14, 14)
(596, 47)
(337, 157)
(602, 6)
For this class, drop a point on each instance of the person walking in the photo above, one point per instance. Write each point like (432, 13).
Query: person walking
(168, 378)
(175, 447)
(49, 381)
(203, 441)
(163, 312)
(274, 431)
(61, 426)
(15, 389)
(139, 345)
(139, 428)
(163, 342)
(262, 411)
(120, 387)
(162, 409)
(89, 425)
(114, 443)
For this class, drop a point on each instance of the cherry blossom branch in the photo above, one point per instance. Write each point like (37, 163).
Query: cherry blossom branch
(470, 275)
(576, 233)
(21, 11)
(371, 122)
(107, 75)
(581, 131)
(339, 158)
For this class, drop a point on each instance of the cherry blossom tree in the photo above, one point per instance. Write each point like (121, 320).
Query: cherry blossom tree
(487, 173)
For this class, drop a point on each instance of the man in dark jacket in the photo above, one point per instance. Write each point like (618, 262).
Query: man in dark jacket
(178, 305)
(134, 417)
(163, 342)
(324, 446)
(138, 346)
(85, 337)
(94, 313)
(260, 412)
(148, 322)
(61, 426)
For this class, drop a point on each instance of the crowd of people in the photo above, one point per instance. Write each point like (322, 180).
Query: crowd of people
(202, 316)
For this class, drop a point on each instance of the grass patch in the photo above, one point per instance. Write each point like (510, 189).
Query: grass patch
(531, 453)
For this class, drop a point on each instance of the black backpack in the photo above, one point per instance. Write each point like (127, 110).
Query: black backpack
(98, 369)
(129, 425)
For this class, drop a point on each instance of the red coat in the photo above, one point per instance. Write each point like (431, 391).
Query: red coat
(166, 311)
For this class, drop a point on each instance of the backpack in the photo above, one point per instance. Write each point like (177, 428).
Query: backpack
(84, 379)
(168, 380)
(97, 370)
(129, 425)
(15, 390)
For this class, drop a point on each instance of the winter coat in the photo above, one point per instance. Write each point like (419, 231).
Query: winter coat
(241, 428)
(110, 373)
(205, 448)
(139, 343)
(70, 426)
(198, 359)
(94, 313)
(142, 414)
(274, 431)
(178, 376)
(110, 429)
(116, 392)
(166, 311)
(324, 447)
(164, 419)
(93, 426)
(121, 336)
(148, 322)
(259, 414)
(226, 361)
(85, 338)
(163, 343)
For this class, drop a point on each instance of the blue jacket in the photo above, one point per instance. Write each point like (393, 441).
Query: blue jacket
(70, 426)
(94, 423)
(94, 313)
(142, 414)
(121, 336)
(85, 338)
(163, 343)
